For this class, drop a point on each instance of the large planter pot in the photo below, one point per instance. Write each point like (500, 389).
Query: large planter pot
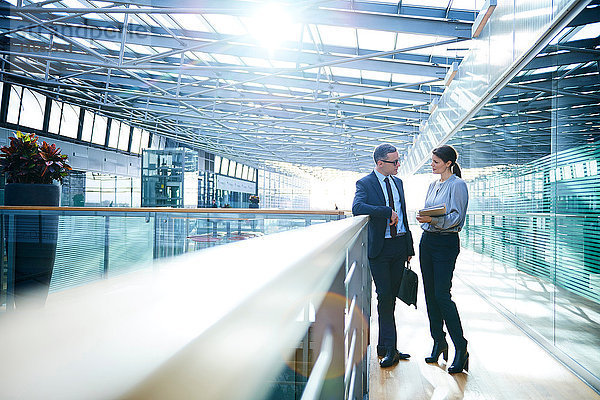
(34, 236)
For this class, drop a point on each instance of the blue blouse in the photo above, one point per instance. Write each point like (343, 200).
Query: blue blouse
(454, 194)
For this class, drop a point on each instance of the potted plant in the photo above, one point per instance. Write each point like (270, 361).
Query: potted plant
(30, 170)
(254, 200)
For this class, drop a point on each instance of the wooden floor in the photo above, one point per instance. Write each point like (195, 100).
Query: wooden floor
(504, 363)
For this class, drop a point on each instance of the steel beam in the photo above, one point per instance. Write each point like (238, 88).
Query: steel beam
(353, 19)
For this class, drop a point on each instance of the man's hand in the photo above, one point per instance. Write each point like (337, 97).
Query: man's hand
(409, 258)
(394, 218)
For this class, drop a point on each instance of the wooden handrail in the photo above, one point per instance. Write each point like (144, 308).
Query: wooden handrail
(181, 210)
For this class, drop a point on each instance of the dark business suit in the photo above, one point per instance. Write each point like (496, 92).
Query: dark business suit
(386, 256)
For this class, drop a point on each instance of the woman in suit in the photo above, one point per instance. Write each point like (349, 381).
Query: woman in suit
(438, 250)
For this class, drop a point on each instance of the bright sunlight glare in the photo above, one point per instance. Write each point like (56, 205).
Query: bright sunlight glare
(270, 25)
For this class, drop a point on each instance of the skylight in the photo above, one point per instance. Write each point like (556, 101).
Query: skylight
(73, 3)
(399, 78)
(468, 4)
(283, 64)
(376, 40)
(140, 49)
(255, 44)
(376, 76)
(109, 45)
(226, 24)
(453, 50)
(587, 32)
(427, 3)
(227, 59)
(339, 71)
(256, 62)
(154, 20)
(191, 22)
(336, 36)
(271, 25)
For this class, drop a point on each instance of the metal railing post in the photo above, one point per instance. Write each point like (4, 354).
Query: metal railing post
(155, 243)
(10, 271)
(3, 264)
(106, 245)
(186, 234)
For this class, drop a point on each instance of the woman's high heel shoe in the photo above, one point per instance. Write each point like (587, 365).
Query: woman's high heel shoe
(438, 348)
(461, 361)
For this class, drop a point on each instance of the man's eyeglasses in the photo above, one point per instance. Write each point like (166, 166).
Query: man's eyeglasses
(395, 162)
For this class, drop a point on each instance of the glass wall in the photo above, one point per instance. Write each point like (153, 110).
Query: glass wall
(93, 189)
(530, 158)
(283, 191)
(107, 190)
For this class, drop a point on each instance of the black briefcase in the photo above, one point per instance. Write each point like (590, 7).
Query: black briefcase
(408, 287)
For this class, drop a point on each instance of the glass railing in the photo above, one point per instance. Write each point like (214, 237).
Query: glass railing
(93, 244)
(543, 271)
(281, 316)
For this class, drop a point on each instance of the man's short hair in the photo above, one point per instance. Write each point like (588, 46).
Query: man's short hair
(382, 151)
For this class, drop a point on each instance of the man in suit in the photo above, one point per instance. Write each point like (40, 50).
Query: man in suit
(381, 196)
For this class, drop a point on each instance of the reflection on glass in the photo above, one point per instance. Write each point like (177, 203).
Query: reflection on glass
(145, 139)
(217, 164)
(155, 142)
(224, 166)
(113, 139)
(88, 126)
(124, 137)
(100, 126)
(136, 138)
(55, 112)
(530, 157)
(95, 245)
(14, 104)
(32, 109)
(69, 123)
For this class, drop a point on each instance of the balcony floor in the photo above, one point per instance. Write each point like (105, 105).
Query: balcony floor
(504, 362)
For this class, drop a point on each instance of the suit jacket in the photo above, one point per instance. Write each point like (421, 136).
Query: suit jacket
(369, 200)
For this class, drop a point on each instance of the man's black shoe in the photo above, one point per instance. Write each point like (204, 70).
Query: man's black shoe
(392, 357)
(382, 351)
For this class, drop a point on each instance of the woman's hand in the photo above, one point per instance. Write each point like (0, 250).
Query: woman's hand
(423, 218)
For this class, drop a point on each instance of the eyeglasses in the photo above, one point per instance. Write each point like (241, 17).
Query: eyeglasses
(395, 162)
